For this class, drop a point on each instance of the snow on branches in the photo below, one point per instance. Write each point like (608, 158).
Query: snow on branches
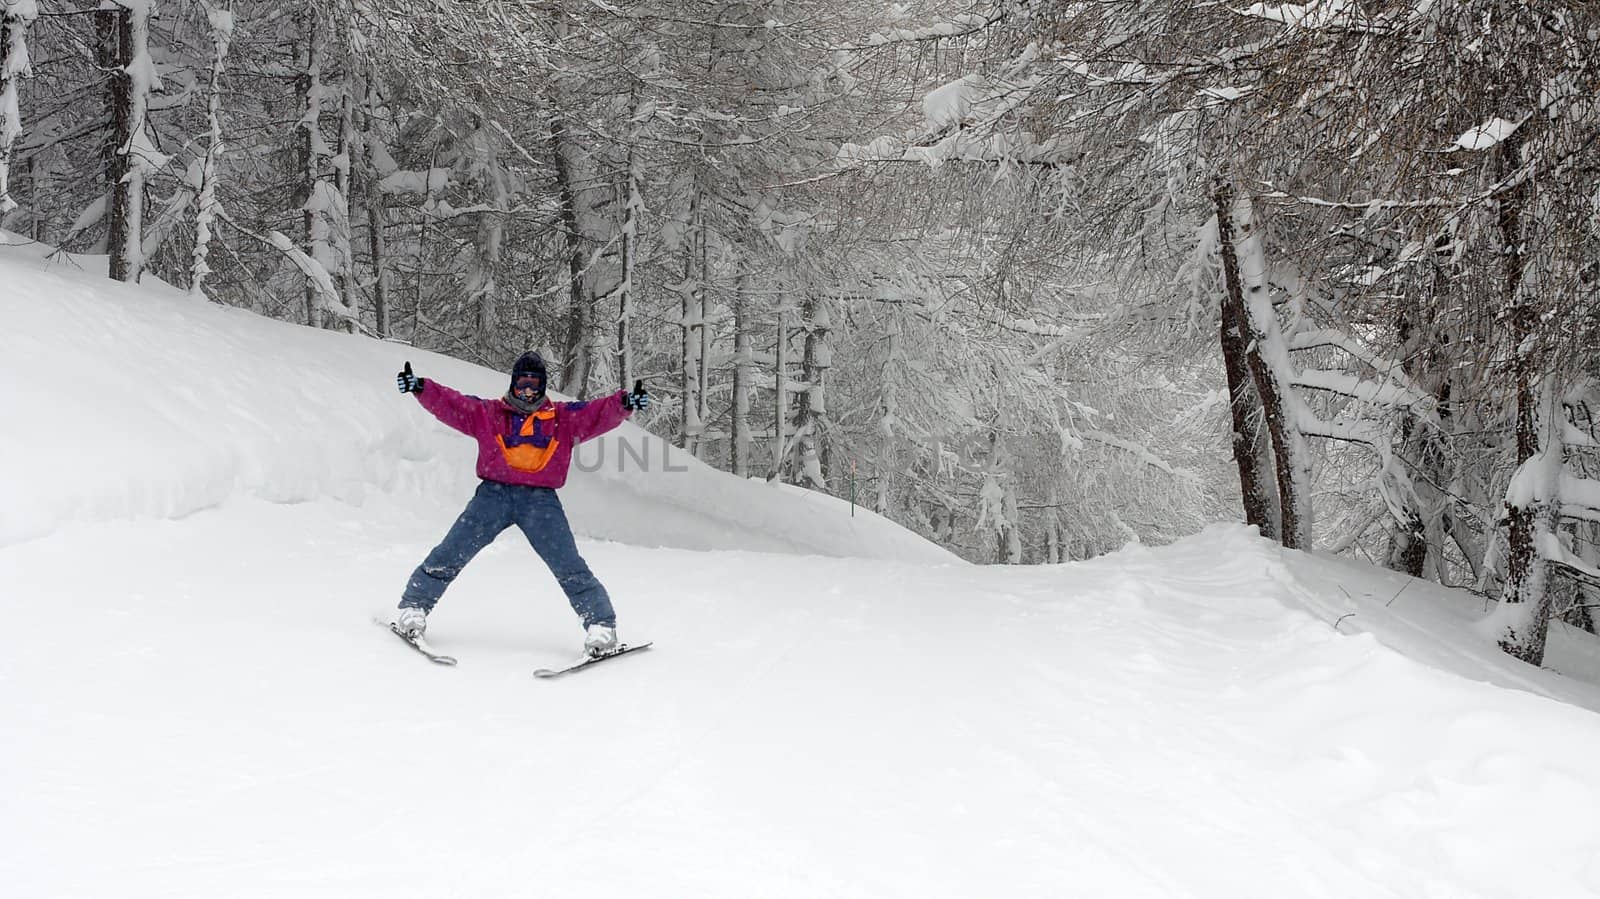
(202, 174)
(14, 65)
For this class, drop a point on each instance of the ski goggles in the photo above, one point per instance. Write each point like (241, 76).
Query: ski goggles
(526, 383)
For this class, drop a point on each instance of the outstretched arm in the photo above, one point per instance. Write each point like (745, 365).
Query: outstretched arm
(591, 418)
(459, 411)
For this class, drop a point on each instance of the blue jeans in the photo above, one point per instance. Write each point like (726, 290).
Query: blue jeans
(492, 509)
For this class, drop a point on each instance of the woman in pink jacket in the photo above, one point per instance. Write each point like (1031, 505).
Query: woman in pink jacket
(525, 445)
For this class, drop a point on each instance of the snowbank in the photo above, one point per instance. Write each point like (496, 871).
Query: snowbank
(140, 401)
(1436, 626)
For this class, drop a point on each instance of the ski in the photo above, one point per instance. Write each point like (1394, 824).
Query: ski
(586, 661)
(419, 644)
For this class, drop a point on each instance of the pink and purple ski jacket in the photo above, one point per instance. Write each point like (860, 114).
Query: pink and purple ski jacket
(531, 450)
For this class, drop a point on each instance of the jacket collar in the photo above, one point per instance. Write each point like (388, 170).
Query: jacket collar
(518, 406)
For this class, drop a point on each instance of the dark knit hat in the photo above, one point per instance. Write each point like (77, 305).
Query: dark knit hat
(529, 363)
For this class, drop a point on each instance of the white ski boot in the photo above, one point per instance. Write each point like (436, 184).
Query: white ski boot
(599, 640)
(411, 622)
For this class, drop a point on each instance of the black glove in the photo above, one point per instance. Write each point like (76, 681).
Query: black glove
(639, 399)
(408, 382)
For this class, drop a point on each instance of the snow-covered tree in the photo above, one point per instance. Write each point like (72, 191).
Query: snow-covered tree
(16, 17)
(1024, 275)
(203, 172)
(126, 29)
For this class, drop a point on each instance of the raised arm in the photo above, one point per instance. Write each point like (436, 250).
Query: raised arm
(456, 409)
(588, 419)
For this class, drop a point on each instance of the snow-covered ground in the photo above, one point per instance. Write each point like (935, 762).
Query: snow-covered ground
(201, 511)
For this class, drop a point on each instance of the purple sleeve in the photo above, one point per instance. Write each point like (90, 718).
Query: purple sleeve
(459, 411)
(591, 418)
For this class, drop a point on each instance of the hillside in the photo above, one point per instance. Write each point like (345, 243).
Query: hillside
(203, 510)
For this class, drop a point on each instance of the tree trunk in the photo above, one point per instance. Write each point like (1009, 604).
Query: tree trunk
(780, 419)
(343, 180)
(630, 230)
(1408, 538)
(1272, 372)
(136, 80)
(811, 410)
(1417, 541)
(113, 52)
(1408, 544)
(377, 207)
(422, 244)
(694, 285)
(206, 205)
(310, 69)
(483, 287)
(574, 369)
(1012, 538)
(743, 363)
(886, 465)
(13, 67)
(997, 499)
(1532, 504)
(1053, 548)
(1532, 510)
(1250, 450)
(583, 356)
(632, 212)
(703, 332)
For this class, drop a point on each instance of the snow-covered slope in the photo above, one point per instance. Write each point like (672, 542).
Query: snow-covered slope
(194, 701)
(144, 402)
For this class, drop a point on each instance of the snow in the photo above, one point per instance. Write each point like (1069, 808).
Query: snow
(1580, 496)
(204, 422)
(14, 61)
(14, 66)
(961, 144)
(959, 24)
(1538, 479)
(314, 269)
(91, 215)
(1226, 93)
(327, 213)
(1384, 393)
(202, 173)
(949, 113)
(203, 509)
(1486, 135)
(949, 104)
(878, 148)
(144, 158)
(22, 9)
(221, 20)
(431, 181)
(1551, 547)
(1314, 14)
(1300, 419)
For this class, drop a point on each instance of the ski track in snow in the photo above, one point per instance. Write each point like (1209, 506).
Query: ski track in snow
(204, 709)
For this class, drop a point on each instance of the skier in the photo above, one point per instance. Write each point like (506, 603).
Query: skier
(525, 443)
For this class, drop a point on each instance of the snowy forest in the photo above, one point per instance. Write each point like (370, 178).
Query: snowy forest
(1032, 278)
